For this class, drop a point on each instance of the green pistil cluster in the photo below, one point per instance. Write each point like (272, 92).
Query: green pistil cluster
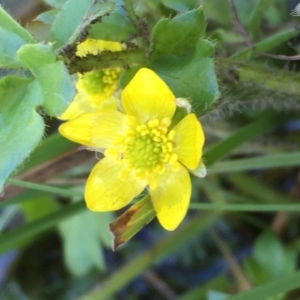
(150, 146)
(102, 82)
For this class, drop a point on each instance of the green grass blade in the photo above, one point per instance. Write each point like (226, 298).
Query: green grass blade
(264, 123)
(268, 43)
(253, 207)
(43, 188)
(15, 237)
(255, 188)
(256, 163)
(125, 274)
(270, 289)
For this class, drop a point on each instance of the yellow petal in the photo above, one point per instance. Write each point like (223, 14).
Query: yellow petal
(98, 130)
(105, 191)
(109, 103)
(172, 197)
(95, 47)
(81, 104)
(109, 46)
(189, 140)
(147, 97)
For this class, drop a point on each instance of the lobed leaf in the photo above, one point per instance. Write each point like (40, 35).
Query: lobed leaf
(82, 248)
(47, 17)
(22, 127)
(270, 254)
(57, 89)
(191, 77)
(180, 5)
(74, 17)
(178, 36)
(114, 27)
(12, 37)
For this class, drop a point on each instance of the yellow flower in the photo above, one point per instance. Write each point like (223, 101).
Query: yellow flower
(95, 92)
(141, 150)
(95, 88)
(95, 47)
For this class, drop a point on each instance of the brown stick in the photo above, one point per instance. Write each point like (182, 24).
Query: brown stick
(241, 29)
(48, 170)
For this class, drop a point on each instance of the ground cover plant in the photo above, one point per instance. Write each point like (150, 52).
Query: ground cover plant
(149, 150)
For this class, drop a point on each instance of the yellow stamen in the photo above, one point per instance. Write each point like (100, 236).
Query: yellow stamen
(149, 147)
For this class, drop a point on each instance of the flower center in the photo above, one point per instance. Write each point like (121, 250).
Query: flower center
(99, 84)
(149, 147)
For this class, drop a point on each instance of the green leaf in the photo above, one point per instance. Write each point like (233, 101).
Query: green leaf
(68, 20)
(82, 248)
(256, 16)
(12, 26)
(199, 292)
(218, 11)
(55, 3)
(178, 36)
(180, 5)
(269, 252)
(22, 127)
(55, 82)
(256, 272)
(48, 17)
(290, 263)
(270, 289)
(183, 59)
(214, 295)
(74, 17)
(16, 237)
(12, 37)
(36, 55)
(192, 76)
(38, 207)
(114, 27)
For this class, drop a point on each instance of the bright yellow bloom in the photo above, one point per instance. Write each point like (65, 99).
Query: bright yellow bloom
(95, 92)
(95, 88)
(95, 47)
(141, 150)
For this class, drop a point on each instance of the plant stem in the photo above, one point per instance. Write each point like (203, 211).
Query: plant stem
(246, 207)
(267, 44)
(122, 59)
(42, 187)
(131, 13)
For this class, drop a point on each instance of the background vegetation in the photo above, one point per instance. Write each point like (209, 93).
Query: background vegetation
(240, 239)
